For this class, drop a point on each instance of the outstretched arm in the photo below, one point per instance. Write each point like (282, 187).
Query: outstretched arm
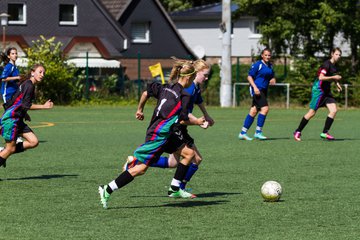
(47, 105)
(140, 110)
(206, 115)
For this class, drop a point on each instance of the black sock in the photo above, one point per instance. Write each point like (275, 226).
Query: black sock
(2, 162)
(302, 124)
(123, 179)
(180, 173)
(19, 147)
(328, 122)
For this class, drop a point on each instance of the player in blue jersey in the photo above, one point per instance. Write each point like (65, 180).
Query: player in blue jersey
(12, 121)
(321, 95)
(164, 133)
(10, 74)
(202, 72)
(260, 75)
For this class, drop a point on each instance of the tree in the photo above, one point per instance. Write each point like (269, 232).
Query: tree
(301, 27)
(58, 81)
(179, 5)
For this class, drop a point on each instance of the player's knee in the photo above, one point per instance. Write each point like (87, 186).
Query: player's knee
(198, 160)
(264, 110)
(138, 170)
(188, 155)
(11, 149)
(253, 111)
(33, 143)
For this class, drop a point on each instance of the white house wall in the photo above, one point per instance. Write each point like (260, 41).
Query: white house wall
(208, 35)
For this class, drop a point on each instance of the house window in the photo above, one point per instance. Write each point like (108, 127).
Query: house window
(17, 12)
(68, 14)
(140, 32)
(256, 27)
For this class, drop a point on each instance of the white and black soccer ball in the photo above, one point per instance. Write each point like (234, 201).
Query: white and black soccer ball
(271, 191)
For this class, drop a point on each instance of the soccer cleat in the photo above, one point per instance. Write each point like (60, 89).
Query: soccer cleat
(327, 136)
(104, 196)
(297, 136)
(1, 149)
(128, 163)
(180, 194)
(260, 136)
(244, 137)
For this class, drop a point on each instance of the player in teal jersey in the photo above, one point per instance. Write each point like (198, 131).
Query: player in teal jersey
(321, 95)
(12, 121)
(202, 72)
(164, 133)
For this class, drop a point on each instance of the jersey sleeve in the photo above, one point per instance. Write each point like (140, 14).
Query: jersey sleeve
(199, 99)
(185, 102)
(325, 68)
(154, 89)
(6, 72)
(253, 70)
(28, 94)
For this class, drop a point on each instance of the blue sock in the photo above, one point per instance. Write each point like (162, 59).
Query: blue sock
(260, 122)
(163, 162)
(191, 171)
(247, 123)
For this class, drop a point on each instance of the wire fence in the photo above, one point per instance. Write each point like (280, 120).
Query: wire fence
(285, 94)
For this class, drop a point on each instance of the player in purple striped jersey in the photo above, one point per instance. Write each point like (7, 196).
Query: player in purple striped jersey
(12, 121)
(164, 133)
(202, 71)
(321, 95)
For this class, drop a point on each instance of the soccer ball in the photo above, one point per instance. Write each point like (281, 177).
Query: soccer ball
(271, 191)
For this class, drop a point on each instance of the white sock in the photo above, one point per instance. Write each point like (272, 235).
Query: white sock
(113, 185)
(175, 182)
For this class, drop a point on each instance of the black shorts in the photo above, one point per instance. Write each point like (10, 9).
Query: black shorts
(179, 137)
(260, 101)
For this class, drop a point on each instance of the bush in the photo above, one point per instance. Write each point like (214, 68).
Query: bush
(58, 83)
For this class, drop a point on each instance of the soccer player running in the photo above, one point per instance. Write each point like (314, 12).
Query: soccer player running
(321, 95)
(10, 74)
(261, 74)
(12, 121)
(202, 72)
(9, 77)
(164, 133)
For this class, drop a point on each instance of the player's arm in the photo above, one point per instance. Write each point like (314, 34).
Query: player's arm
(184, 117)
(206, 114)
(272, 81)
(253, 85)
(336, 77)
(5, 75)
(193, 121)
(140, 110)
(47, 105)
(10, 78)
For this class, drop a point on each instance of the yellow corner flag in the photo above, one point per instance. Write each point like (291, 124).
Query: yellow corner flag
(156, 70)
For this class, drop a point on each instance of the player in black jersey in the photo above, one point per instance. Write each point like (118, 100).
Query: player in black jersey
(321, 95)
(164, 133)
(12, 121)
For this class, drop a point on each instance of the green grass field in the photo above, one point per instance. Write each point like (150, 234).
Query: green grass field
(51, 192)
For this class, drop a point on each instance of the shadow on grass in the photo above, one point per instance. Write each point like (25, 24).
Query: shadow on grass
(216, 194)
(273, 139)
(183, 204)
(200, 195)
(42, 177)
(335, 140)
(194, 203)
